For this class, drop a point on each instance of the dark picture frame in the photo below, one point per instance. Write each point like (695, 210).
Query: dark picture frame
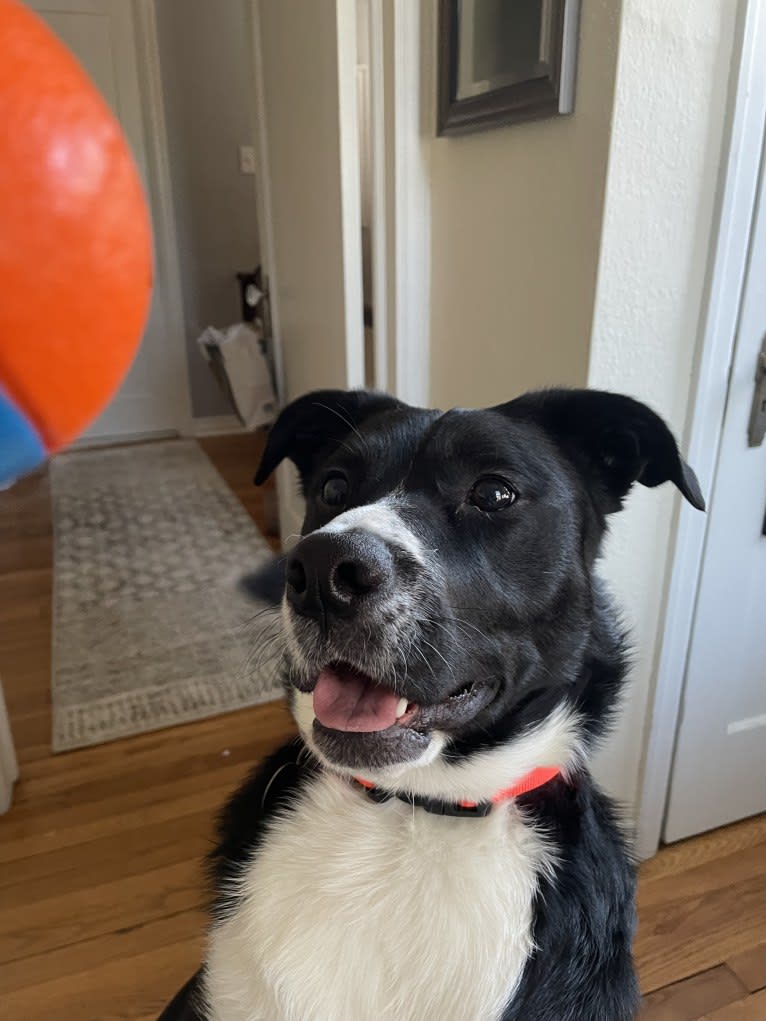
(545, 90)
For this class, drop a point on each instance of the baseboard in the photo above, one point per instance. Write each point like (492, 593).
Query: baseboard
(216, 425)
(210, 425)
(121, 439)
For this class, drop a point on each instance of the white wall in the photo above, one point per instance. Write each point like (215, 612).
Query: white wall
(208, 82)
(309, 208)
(670, 101)
(516, 224)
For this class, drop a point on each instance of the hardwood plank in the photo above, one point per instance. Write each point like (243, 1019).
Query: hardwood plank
(99, 909)
(169, 758)
(25, 596)
(750, 967)
(117, 856)
(32, 732)
(174, 806)
(720, 843)
(259, 726)
(119, 990)
(682, 937)
(57, 824)
(753, 1008)
(92, 953)
(697, 880)
(687, 1000)
(35, 554)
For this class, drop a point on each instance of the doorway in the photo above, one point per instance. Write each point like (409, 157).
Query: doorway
(703, 762)
(179, 77)
(102, 34)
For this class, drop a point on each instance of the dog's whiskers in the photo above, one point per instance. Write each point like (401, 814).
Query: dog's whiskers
(345, 419)
(439, 654)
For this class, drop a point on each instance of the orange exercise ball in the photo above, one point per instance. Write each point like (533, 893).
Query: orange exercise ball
(75, 243)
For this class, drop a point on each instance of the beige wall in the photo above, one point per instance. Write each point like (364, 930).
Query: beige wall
(208, 82)
(516, 224)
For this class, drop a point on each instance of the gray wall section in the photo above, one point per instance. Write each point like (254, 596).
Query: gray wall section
(208, 81)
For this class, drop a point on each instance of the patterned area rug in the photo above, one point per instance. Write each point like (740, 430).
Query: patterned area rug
(149, 626)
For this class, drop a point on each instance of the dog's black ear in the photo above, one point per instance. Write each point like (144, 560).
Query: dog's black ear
(614, 440)
(315, 420)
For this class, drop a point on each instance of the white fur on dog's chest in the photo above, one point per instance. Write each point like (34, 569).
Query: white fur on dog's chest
(355, 911)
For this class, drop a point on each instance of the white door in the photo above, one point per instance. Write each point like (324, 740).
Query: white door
(102, 35)
(719, 771)
(310, 195)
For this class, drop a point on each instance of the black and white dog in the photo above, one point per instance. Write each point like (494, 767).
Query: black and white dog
(433, 847)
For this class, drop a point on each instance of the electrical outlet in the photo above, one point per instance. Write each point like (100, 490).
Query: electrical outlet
(246, 159)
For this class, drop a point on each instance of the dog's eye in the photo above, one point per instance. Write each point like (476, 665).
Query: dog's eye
(335, 491)
(491, 494)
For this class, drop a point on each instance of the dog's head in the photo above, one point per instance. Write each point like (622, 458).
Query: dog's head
(442, 600)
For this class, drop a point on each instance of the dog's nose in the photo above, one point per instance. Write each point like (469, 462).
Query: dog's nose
(329, 574)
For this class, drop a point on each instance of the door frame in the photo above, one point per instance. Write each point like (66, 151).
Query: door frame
(167, 269)
(400, 193)
(402, 59)
(158, 194)
(738, 188)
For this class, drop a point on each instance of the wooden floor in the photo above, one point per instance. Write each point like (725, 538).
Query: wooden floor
(100, 886)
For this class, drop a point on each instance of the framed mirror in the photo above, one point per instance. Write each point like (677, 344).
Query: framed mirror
(502, 61)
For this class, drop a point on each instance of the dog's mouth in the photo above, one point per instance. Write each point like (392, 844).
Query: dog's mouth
(361, 722)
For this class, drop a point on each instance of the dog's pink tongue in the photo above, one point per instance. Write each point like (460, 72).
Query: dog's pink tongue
(344, 700)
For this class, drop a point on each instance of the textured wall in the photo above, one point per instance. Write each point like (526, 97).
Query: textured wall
(670, 101)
